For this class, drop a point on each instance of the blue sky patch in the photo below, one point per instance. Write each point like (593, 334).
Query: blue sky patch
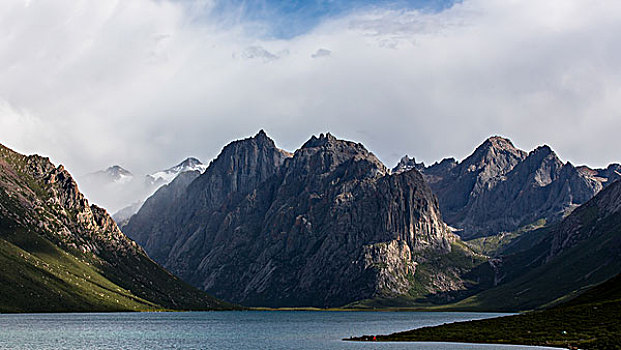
(287, 19)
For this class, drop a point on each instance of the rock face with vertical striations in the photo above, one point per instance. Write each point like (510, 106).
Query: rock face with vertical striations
(171, 217)
(325, 226)
(500, 188)
(58, 253)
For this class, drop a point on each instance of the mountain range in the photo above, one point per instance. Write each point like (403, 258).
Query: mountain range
(500, 188)
(324, 226)
(330, 225)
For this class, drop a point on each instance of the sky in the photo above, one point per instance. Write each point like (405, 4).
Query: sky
(147, 83)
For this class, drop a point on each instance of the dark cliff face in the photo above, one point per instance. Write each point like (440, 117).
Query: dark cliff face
(323, 227)
(174, 213)
(44, 216)
(500, 188)
(239, 168)
(598, 217)
(153, 234)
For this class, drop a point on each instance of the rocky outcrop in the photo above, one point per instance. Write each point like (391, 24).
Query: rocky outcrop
(604, 176)
(325, 226)
(40, 202)
(406, 163)
(500, 188)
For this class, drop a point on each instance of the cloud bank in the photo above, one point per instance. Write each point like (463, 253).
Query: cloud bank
(146, 83)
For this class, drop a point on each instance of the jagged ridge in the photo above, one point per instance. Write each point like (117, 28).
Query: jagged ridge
(500, 188)
(322, 227)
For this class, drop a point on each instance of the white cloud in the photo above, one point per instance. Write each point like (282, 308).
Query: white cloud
(146, 83)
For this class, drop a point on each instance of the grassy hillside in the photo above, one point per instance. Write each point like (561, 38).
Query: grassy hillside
(38, 276)
(534, 279)
(60, 254)
(590, 321)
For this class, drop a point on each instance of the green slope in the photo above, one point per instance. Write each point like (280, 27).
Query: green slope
(535, 278)
(58, 254)
(38, 276)
(590, 321)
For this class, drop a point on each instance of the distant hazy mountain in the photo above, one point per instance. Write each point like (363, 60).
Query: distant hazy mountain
(58, 253)
(122, 216)
(500, 188)
(122, 193)
(114, 174)
(166, 176)
(325, 226)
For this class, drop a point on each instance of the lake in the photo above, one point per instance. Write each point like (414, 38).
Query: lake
(264, 330)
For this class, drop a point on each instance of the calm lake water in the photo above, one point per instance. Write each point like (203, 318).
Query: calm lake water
(222, 330)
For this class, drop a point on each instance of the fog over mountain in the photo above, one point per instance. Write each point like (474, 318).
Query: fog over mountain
(145, 83)
(118, 189)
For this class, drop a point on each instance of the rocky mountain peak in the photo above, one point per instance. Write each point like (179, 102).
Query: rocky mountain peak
(260, 141)
(262, 138)
(610, 174)
(543, 166)
(325, 153)
(498, 142)
(442, 168)
(118, 171)
(542, 151)
(406, 163)
(495, 156)
(240, 167)
(321, 141)
(597, 217)
(501, 188)
(190, 162)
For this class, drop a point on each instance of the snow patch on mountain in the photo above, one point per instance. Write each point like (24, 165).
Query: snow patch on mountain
(166, 176)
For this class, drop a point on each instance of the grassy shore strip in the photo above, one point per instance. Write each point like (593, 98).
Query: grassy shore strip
(593, 326)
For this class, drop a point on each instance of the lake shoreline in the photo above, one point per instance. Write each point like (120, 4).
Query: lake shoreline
(251, 330)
